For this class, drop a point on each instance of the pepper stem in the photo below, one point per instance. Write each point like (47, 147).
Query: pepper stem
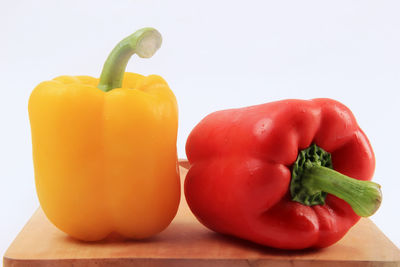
(364, 197)
(313, 178)
(144, 42)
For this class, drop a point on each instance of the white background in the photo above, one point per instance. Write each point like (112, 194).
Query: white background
(215, 55)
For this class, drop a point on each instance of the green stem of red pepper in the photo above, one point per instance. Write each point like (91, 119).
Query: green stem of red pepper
(144, 42)
(313, 177)
(363, 196)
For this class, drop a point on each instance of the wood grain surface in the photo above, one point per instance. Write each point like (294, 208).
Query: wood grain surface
(187, 243)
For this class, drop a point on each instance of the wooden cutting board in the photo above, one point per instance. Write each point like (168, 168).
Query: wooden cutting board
(187, 243)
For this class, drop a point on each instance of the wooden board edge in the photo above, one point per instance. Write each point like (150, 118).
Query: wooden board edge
(184, 163)
(193, 262)
(386, 237)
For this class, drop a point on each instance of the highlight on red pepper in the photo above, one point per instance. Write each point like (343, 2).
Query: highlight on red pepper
(290, 174)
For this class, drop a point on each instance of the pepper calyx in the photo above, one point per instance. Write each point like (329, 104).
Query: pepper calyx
(306, 159)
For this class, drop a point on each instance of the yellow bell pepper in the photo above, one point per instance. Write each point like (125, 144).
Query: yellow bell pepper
(104, 150)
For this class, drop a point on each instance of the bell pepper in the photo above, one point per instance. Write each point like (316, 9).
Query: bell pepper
(104, 150)
(290, 174)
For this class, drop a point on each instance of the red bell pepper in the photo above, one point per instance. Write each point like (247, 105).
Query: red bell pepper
(265, 173)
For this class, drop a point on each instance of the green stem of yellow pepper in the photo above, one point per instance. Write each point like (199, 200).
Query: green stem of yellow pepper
(144, 42)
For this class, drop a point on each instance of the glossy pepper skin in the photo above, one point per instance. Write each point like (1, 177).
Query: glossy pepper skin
(105, 162)
(241, 167)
